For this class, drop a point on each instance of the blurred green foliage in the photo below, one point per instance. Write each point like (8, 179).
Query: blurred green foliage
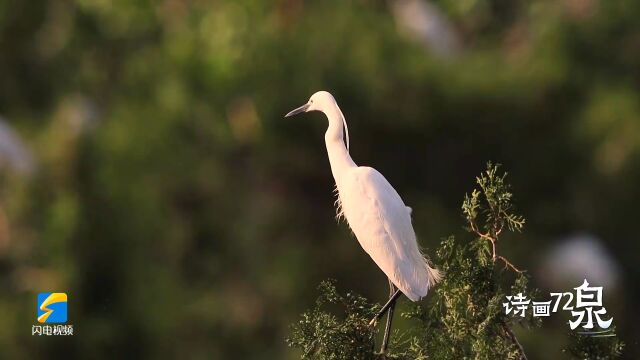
(185, 218)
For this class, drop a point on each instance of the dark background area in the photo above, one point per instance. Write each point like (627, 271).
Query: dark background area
(147, 169)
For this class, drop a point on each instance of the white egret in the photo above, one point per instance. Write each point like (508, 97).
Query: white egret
(375, 212)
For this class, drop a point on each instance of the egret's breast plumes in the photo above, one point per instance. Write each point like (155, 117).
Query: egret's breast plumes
(338, 204)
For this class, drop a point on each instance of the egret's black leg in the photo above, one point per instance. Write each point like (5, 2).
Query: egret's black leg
(386, 306)
(387, 328)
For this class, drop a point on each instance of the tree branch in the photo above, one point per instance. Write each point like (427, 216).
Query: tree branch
(513, 339)
(493, 241)
(509, 264)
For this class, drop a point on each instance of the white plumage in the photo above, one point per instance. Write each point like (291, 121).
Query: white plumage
(373, 209)
(382, 223)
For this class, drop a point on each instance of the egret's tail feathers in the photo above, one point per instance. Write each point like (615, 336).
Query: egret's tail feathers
(423, 278)
(434, 275)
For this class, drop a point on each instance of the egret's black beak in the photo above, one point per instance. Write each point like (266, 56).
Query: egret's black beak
(299, 110)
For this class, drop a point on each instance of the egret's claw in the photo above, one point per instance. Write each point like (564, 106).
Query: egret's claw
(373, 322)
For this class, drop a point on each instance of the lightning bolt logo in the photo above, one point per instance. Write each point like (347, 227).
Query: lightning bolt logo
(47, 299)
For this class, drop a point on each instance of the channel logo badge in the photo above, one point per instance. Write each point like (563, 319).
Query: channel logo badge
(52, 307)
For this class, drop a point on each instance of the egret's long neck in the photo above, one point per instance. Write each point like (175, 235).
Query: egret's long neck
(339, 157)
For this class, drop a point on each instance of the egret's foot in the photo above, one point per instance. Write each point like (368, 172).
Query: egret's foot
(373, 322)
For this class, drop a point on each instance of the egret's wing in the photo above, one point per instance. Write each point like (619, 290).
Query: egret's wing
(382, 223)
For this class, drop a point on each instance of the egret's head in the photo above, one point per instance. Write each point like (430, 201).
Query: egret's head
(319, 101)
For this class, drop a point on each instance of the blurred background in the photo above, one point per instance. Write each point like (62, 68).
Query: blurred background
(146, 168)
